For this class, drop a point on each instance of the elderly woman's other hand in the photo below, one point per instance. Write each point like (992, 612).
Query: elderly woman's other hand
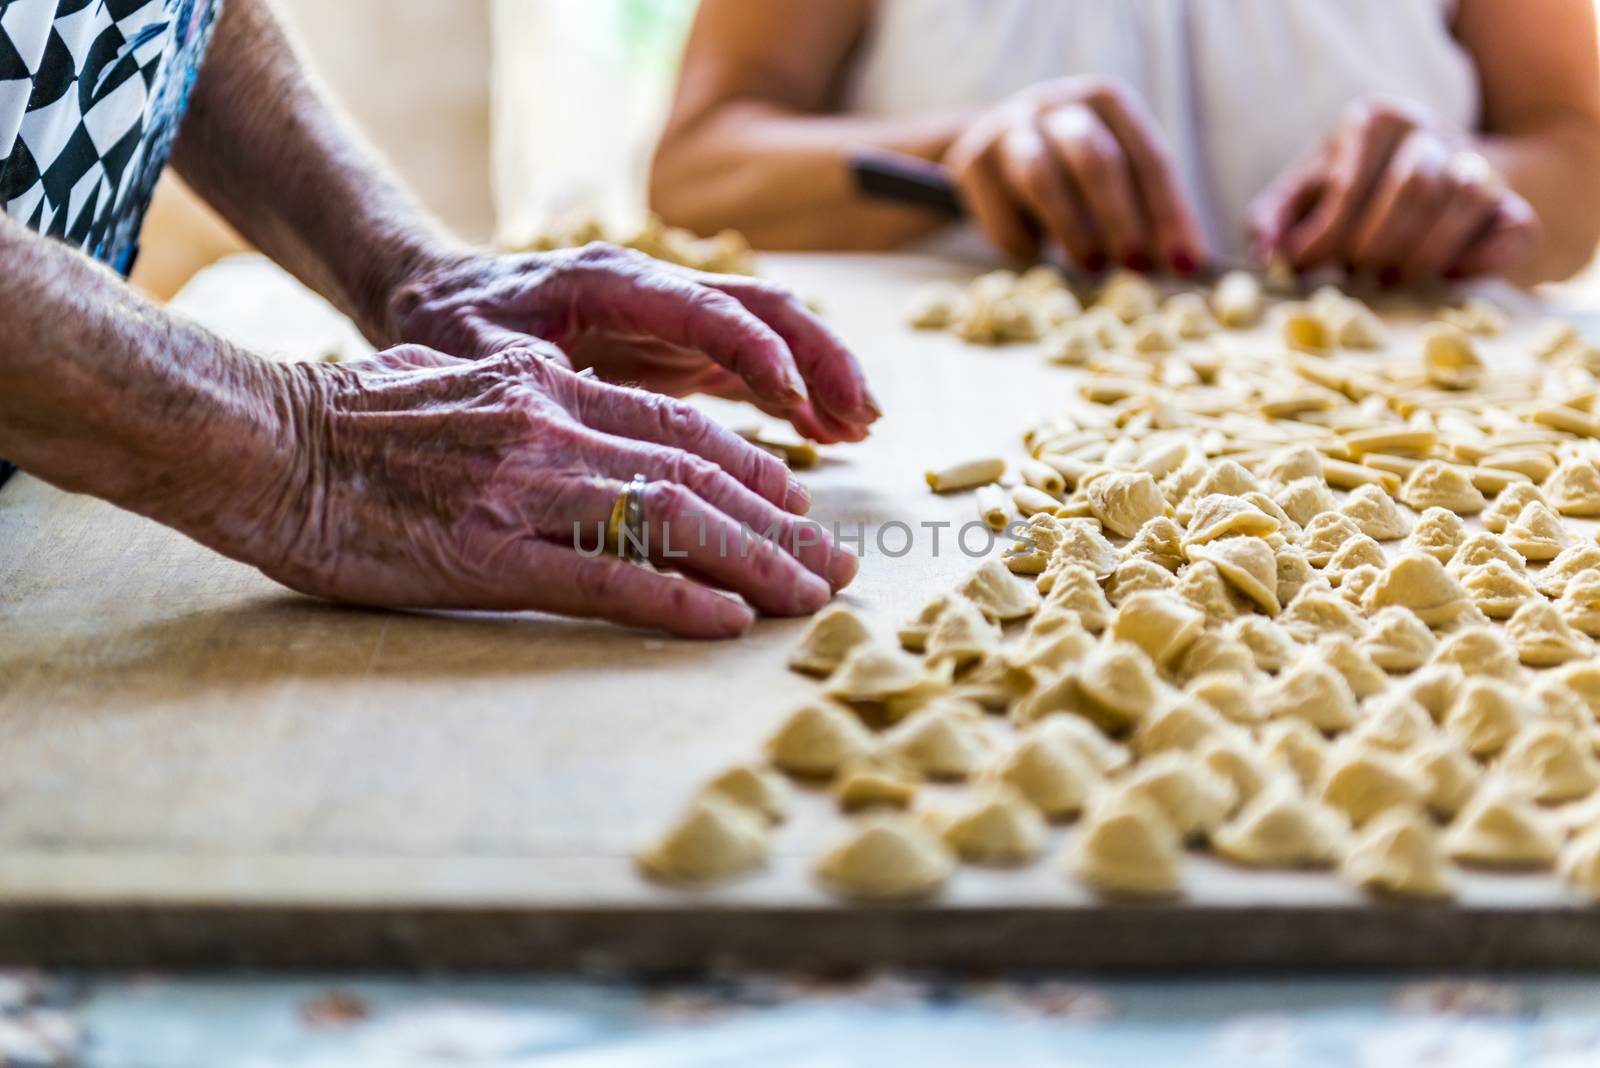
(640, 321)
(423, 480)
(1392, 193)
(1081, 161)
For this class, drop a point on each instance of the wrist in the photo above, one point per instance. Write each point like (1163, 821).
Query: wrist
(396, 274)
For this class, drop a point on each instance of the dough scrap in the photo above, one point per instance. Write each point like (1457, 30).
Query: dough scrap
(1499, 828)
(1159, 541)
(1394, 722)
(961, 637)
(1552, 765)
(1573, 488)
(1055, 776)
(1439, 532)
(1397, 640)
(1419, 582)
(1324, 534)
(1217, 516)
(1552, 579)
(995, 827)
(1306, 498)
(1480, 651)
(1281, 829)
(1580, 603)
(1312, 691)
(1297, 746)
(1118, 685)
(1127, 849)
(1509, 503)
(1359, 551)
(817, 739)
(1077, 591)
(1125, 501)
(1247, 564)
(1399, 854)
(1340, 652)
(887, 858)
(1497, 590)
(1449, 359)
(714, 840)
(1138, 575)
(1375, 513)
(998, 593)
(1162, 624)
(1318, 614)
(831, 636)
(758, 789)
(1229, 693)
(1543, 638)
(1449, 775)
(1211, 654)
(1184, 723)
(1269, 643)
(1362, 783)
(944, 740)
(1537, 534)
(1203, 586)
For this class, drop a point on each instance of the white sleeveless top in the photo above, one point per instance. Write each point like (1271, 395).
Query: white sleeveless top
(1241, 88)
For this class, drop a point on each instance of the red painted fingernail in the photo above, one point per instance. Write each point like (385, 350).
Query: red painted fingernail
(1184, 262)
(1137, 261)
(1096, 262)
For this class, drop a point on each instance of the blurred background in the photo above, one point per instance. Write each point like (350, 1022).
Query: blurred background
(500, 114)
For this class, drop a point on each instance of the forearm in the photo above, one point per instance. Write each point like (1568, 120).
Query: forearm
(261, 144)
(782, 176)
(103, 393)
(1555, 166)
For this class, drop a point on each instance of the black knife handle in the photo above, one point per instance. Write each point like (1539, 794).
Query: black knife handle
(885, 175)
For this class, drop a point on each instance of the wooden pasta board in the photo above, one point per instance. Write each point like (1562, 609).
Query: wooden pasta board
(197, 767)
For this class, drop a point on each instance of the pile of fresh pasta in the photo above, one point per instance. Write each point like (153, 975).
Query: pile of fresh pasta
(1285, 588)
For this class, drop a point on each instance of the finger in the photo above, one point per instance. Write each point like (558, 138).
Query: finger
(621, 458)
(1099, 170)
(836, 382)
(1507, 243)
(977, 174)
(1175, 228)
(409, 358)
(1039, 180)
(1467, 213)
(532, 575)
(1275, 212)
(1359, 156)
(1408, 199)
(683, 531)
(632, 413)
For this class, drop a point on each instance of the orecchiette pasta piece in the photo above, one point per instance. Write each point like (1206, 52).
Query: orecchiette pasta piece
(1480, 651)
(830, 637)
(961, 636)
(933, 306)
(1358, 552)
(1217, 516)
(1293, 464)
(874, 674)
(1056, 778)
(1312, 691)
(1298, 747)
(996, 827)
(1192, 799)
(1125, 501)
(1483, 547)
(1553, 579)
(755, 789)
(1180, 484)
(887, 858)
(1159, 541)
(1117, 686)
(1537, 534)
(1419, 582)
(1399, 854)
(1281, 829)
(1071, 345)
(1573, 488)
(1229, 693)
(1580, 862)
(1436, 688)
(1396, 640)
(1509, 503)
(1375, 513)
(1183, 723)
(1543, 638)
(1392, 721)
(817, 739)
(1580, 603)
(1138, 575)
(1077, 733)
(944, 740)
(1128, 296)
(1127, 849)
(1551, 764)
(1237, 300)
(714, 840)
(1497, 590)
(1043, 279)
(1325, 534)
(1211, 654)
(1057, 307)
(1304, 331)
(1436, 484)
(1476, 316)
(1227, 478)
(1486, 715)
(1439, 532)
(1161, 624)
(1449, 359)
(1152, 336)
(878, 781)
(1356, 326)
(1295, 573)
(991, 317)
(1234, 757)
(1076, 590)
(1552, 337)
(1203, 586)
(1500, 828)
(1340, 652)
(1363, 782)
(1190, 317)
(1247, 564)
(1582, 680)
(1108, 330)
(998, 594)
(1306, 498)
(1078, 544)
(969, 474)
(1448, 774)
(1317, 615)
(1268, 642)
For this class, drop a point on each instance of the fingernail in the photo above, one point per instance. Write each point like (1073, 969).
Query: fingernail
(842, 569)
(798, 500)
(1184, 262)
(811, 592)
(733, 618)
(1096, 262)
(872, 405)
(1137, 261)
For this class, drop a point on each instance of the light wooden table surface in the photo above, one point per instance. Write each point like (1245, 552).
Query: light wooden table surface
(197, 766)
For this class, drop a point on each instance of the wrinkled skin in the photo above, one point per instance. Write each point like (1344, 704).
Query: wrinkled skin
(425, 480)
(639, 321)
(1080, 161)
(1392, 192)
